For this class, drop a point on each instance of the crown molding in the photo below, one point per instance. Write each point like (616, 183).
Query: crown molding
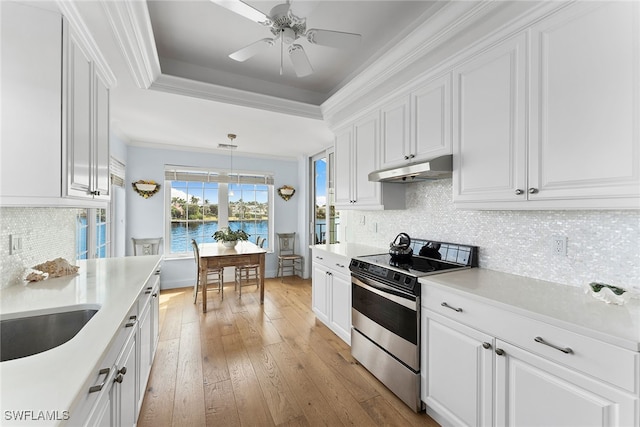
(131, 26)
(192, 88)
(174, 147)
(446, 22)
(73, 16)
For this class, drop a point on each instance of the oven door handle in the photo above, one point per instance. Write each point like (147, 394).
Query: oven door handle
(383, 291)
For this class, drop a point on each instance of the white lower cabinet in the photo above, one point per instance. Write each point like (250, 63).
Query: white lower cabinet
(110, 398)
(331, 292)
(531, 390)
(457, 369)
(148, 332)
(123, 394)
(114, 395)
(484, 366)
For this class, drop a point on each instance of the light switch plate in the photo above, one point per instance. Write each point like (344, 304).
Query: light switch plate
(15, 244)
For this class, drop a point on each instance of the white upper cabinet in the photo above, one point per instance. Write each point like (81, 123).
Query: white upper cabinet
(395, 146)
(86, 123)
(489, 124)
(417, 126)
(567, 139)
(355, 150)
(585, 104)
(431, 119)
(31, 85)
(55, 115)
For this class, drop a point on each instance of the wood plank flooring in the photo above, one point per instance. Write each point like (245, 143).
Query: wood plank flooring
(246, 364)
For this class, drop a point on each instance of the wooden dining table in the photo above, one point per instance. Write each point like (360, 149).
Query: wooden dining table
(213, 255)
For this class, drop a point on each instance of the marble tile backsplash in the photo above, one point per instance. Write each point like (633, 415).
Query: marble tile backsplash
(47, 233)
(602, 245)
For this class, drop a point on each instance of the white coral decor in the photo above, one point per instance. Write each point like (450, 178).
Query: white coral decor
(606, 293)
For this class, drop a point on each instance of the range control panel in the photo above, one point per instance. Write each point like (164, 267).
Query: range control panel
(384, 275)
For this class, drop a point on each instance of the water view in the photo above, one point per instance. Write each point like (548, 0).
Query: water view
(182, 232)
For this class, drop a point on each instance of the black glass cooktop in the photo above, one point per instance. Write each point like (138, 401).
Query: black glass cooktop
(414, 265)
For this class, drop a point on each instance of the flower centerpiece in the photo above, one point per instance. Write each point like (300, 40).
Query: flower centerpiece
(229, 237)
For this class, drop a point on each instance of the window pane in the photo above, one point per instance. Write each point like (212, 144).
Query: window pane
(249, 211)
(101, 233)
(194, 213)
(81, 234)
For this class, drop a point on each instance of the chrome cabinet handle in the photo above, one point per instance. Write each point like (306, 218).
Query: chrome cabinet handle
(319, 257)
(533, 190)
(486, 345)
(123, 370)
(565, 350)
(105, 372)
(340, 265)
(499, 352)
(119, 378)
(155, 294)
(518, 192)
(444, 304)
(132, 322)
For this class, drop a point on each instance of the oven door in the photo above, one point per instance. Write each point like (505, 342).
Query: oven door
(388, 317)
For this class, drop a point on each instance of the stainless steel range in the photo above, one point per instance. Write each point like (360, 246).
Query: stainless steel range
(385, 333)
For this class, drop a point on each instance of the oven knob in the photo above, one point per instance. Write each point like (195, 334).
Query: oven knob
(407, 280)
(396, 277)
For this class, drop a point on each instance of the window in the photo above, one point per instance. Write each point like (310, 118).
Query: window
(92, 233)
(200, 202)
(93, 225)
(249, 210)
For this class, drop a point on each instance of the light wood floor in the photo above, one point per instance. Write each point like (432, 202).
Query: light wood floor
(243, 364)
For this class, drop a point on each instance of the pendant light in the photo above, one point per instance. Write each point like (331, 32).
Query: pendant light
(230, 147)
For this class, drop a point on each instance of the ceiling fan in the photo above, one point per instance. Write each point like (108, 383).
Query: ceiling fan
(288, 28)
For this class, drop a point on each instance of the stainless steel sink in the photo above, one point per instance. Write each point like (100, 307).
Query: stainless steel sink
(26, 336)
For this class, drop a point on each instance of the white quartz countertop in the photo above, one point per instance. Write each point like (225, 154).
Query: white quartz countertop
(564, 306)
(52, 380)
(350, 250)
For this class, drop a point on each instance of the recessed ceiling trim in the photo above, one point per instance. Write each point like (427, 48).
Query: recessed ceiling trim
(131, 25)
(192, 88)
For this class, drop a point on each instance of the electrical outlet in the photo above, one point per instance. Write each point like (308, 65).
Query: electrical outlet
(15, 244)
(559, 246)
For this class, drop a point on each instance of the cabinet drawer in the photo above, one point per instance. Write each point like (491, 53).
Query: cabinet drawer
(607, 362)
(332, 261)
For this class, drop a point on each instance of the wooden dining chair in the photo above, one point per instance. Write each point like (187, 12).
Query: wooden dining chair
(287, 257)
(248, 273)
(214, 275)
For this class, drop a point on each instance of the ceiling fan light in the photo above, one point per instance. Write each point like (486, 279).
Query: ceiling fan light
(288, 35)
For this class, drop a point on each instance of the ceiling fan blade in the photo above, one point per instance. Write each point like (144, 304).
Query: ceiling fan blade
(243, 9)
(251, 50)
(300, 61)
(333, 38)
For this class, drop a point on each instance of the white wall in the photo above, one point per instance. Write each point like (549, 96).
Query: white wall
(602, 245)
(146, 217)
